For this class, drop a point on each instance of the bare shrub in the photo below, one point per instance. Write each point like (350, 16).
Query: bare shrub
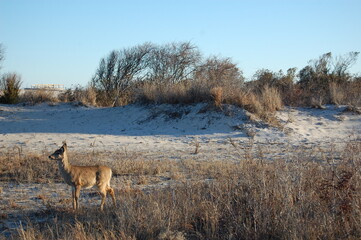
(66, 96)
(169, 73)
(86, 96)
(116, 73)
(283, 82)
(176, 73)
(10, 86)
(323, 73)
(1, 54)
(219, 72)
(172, 63)
(38, 96)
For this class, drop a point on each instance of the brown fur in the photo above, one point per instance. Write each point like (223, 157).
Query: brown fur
(83, 177)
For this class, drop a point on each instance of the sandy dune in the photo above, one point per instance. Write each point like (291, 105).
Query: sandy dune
(164, 127)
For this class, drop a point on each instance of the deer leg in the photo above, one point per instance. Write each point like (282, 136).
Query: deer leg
(103, 193)
(73, 197)
(111, 192)
(77, 195)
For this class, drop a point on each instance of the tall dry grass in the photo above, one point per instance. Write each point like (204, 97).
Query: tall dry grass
(301, 197)
(348, 94)
(217, 95)
(34, 97)
(79, 95)
(85, 96)
(262, 104)
(177, 93)
(15, 166)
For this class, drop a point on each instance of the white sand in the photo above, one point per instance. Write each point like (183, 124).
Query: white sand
(164, 128)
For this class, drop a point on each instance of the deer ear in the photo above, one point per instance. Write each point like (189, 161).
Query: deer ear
(65, 147)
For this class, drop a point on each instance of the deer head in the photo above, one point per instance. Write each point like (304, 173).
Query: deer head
(59, 154)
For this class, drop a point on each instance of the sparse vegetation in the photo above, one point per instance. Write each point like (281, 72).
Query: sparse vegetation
(316, 78)
(38, 96)
(16, 167)
(302, 197)
(85, 96)
(176, 73)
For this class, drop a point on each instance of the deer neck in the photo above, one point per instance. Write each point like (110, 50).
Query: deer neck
(64, 164)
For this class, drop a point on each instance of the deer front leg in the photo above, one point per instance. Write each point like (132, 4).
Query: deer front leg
(76, 196)
(73, 197)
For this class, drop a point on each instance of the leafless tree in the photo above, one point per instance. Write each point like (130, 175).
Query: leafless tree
(172, 63)
(326, 69)
(1, 54)
(219, 72)
(116, 72)
(316, 78)
(342, 64)
(131, 65)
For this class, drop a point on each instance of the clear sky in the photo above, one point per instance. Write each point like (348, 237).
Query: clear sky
(62, 42)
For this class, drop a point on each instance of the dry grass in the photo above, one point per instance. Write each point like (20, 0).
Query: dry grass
(33, 97)
(166, 93)
(217, 95)
(314, 197)
(84, 96)
(271, 99)
(348, 94)
(18, 167)
(263, 105)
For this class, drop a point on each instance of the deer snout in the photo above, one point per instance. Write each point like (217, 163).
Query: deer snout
(51, 157)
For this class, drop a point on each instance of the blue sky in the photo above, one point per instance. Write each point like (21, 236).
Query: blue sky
(61, 42)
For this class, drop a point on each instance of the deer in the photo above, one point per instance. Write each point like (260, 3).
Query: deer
(79, 177)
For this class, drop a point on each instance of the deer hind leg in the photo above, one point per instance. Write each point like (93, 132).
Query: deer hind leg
(103, 193)
(73, 197)
(111, 192)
